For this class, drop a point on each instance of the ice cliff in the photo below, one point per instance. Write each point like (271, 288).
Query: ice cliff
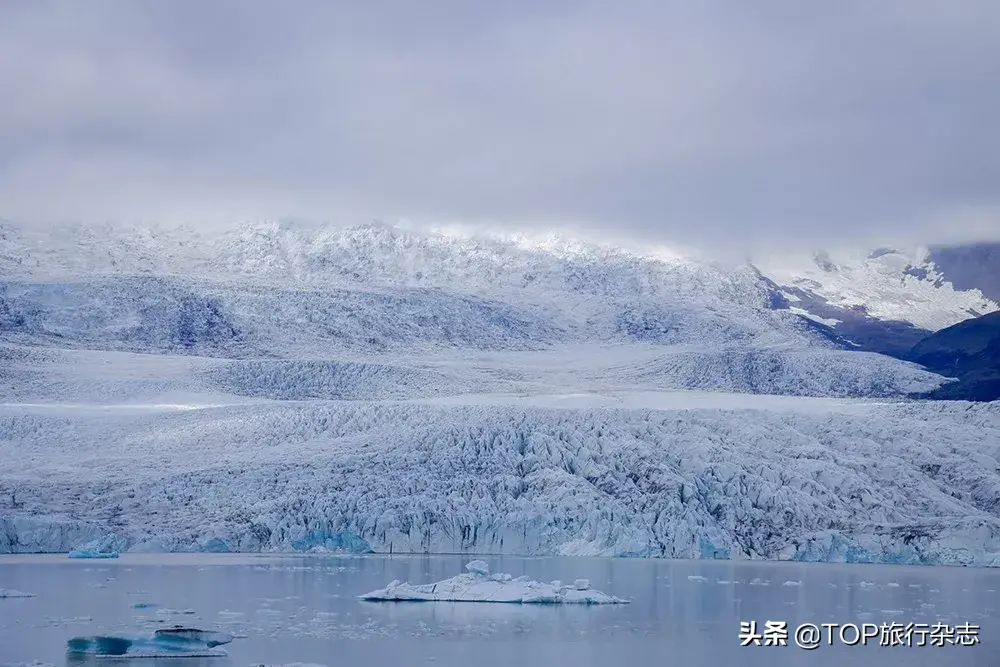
(807, 479)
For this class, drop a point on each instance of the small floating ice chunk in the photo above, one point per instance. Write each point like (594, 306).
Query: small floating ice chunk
(478, 567)
(792, 583)
(10, 593)
(476, 586)
(175, 612)
(696, 577)
(144, 605)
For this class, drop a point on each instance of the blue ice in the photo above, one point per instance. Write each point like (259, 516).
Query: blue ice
(104, 547)
(340, 541)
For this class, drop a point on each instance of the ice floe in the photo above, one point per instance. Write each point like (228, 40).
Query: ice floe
(9, 593)
(166, 642)
(478, 585)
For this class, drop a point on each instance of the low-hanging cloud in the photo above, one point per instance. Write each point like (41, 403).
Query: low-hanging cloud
(710, 123)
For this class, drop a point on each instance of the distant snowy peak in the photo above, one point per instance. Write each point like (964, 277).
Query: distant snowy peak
(884, 284)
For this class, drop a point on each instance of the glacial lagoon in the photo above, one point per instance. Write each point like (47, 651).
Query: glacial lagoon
(288, 609)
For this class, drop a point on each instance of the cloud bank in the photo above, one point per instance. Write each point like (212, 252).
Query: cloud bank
(717, 123)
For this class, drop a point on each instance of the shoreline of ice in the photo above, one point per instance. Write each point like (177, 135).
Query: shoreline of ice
(478, 585)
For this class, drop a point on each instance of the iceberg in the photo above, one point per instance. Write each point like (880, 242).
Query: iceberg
(10, 593)
(164, 643)
(478, 585)
(105, 547)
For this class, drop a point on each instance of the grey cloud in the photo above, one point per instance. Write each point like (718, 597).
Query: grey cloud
(711, 123)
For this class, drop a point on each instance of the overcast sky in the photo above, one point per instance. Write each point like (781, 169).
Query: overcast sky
(738, 123)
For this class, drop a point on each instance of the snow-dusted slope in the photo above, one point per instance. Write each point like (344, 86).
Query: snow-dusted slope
(328, 297)
(885, 284)
(30, 375)
(368, 286)
(367, 255)
(816, 479)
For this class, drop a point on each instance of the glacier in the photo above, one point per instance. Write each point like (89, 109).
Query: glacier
(293, 388)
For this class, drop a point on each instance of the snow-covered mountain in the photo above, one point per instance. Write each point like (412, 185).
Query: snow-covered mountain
(885, 299)
(287, 385)
(377, 293)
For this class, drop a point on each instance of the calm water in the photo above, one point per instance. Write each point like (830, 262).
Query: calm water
(302, 609)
